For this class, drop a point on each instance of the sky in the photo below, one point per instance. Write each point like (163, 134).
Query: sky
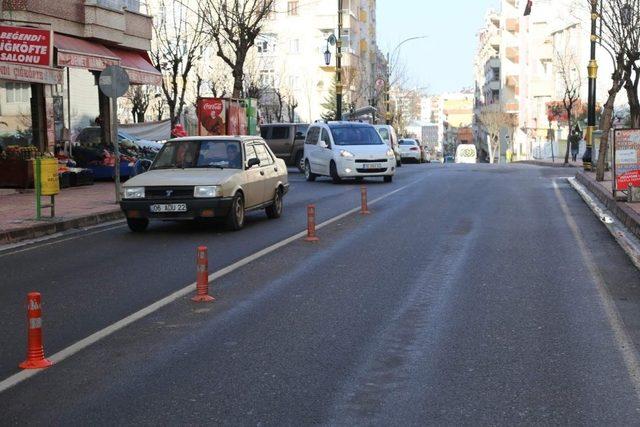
(443, 62)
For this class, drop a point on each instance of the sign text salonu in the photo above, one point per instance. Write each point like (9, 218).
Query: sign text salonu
(24, 45)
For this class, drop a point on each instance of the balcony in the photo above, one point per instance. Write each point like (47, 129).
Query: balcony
(546, 51)
(512, 25)
(513, 81)
(512, 107)
(513, 54)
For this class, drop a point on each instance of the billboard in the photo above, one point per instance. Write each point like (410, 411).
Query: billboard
(26, 46)
(211, 116)
(626, 156)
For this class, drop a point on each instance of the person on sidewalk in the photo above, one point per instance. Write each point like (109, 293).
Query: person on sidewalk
(574, 140)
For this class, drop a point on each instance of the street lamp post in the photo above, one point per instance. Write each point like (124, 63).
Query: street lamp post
(339, 64)
(587, 161)
(388, 79)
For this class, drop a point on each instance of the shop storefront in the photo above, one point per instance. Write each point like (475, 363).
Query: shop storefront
(49, 92)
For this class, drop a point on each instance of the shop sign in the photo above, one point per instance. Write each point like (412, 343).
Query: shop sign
(23, 73)
(142, 78)
(626, 159)
(25, 45)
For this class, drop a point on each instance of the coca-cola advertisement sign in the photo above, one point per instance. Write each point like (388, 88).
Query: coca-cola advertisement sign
(211, 116)
(26, 46)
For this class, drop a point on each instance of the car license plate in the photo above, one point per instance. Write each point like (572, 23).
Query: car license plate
(173, 207)
(372, 166)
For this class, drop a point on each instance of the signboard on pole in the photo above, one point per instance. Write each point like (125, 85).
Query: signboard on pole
(114, 82)
(26, 46)
(626, 159)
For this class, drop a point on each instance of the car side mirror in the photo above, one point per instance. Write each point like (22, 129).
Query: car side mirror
(323, 144)
(254, 161)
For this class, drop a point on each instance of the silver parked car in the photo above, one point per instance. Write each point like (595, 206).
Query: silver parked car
(206, 177)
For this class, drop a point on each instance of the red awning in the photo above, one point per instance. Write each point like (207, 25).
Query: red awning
(80, 53)
(138, 66)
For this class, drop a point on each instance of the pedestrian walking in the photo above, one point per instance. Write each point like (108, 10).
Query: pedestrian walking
(574, 140)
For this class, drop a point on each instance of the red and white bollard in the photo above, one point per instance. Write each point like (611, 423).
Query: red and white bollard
(202, 276)
(364, 209)
(35, 348)
(311, 224)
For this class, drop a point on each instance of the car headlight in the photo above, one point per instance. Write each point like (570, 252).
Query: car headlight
(345, 153)
(207, 191)
(390, 153)
(133, 193)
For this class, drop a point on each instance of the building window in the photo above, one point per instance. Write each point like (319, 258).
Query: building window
(294, 46)
(17, 92)
(266, 44)
(267, 78)
(292, 8)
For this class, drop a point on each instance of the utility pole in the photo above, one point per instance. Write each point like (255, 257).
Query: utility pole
(593, 74)
(339, 64)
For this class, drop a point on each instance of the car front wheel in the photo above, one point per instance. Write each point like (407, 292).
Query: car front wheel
(333, 170)
(275, 209)
(235, 217)
(137, 225)
(299, 161)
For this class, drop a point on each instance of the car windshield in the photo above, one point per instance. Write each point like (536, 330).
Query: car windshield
(407, 142)
(199, 154)
(355, 135)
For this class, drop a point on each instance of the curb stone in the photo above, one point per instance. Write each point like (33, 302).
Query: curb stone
(57, 226)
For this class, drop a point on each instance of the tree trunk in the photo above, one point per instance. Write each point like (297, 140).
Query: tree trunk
(605, 126)
(141, 116)
(634, 103)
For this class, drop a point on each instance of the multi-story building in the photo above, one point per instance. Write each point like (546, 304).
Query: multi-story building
(76, 40)
(290, 51)
(517, 66)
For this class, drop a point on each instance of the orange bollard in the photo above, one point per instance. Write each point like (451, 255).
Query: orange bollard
(364, 209)
(311, 224)
(35, 349)
(202, 276)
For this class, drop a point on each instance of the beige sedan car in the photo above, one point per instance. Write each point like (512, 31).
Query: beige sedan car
(207, 177)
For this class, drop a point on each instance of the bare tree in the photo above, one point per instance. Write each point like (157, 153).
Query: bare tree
(493, 118)
(179, 41)
(622, 40)
(140, 97)
(234, 26)
(292, 104)
(159, 107)
(571, 81)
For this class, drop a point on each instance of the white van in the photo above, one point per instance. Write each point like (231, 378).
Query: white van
(466, 153)
(347, 150)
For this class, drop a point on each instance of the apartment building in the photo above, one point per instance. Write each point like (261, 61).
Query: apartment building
(522, 73)
(289, 54)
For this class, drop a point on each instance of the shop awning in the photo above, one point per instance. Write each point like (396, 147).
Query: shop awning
(80, 53)
(138, 66)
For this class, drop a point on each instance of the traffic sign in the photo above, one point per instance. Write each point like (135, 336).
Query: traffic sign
(113, 81)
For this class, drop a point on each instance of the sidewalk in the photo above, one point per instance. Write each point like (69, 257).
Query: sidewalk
(75, 207)
(627, 213)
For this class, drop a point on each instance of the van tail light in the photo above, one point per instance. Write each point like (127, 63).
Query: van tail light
(414, 148)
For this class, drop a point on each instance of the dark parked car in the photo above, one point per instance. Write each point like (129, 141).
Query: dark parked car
(286, 140)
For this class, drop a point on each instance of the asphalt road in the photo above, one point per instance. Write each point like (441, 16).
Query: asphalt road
(467, 297)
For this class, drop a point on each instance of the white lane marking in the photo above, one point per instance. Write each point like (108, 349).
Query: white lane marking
(623, 342)
(78, 233)
(105, 332)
